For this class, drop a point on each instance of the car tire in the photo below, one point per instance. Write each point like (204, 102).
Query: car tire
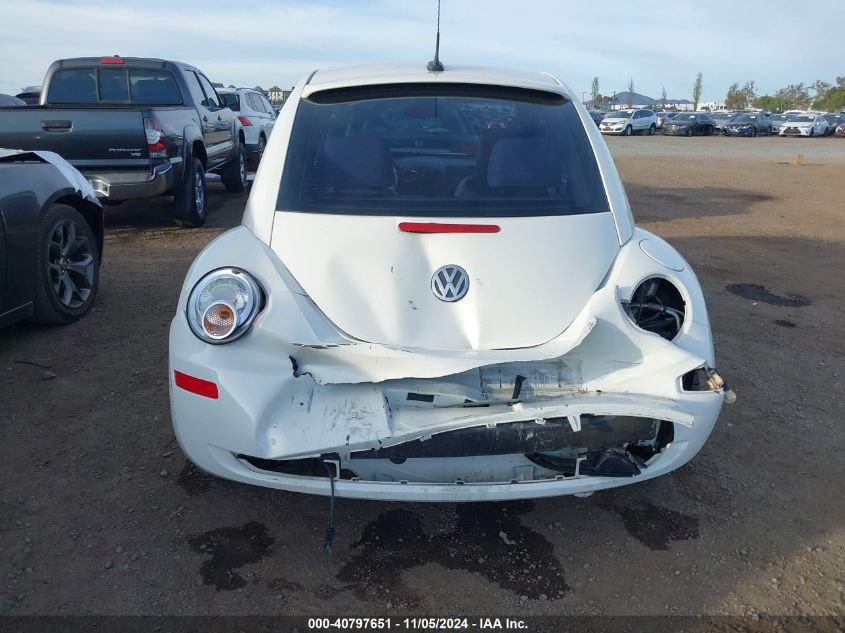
(67, 267)
(689, 132)
(652, 130)
(253, 163)
(629, 131)
(753, 132)
(190, 203)
(812, 133)
(262, 145)
(234, 173)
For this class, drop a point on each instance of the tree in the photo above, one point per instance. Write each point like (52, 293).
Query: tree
(696, 91)
(771, 104)
(821, 88)
(733, 97)
(833, 100)
(749, 93)
(597, 101)
(796, 96)
(594, 90)
(740, 98)
(630, 99)
(663, 97)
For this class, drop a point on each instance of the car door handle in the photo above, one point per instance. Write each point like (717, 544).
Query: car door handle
(56, 126)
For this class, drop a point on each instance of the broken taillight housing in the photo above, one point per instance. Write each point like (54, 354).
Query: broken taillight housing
(657, 306)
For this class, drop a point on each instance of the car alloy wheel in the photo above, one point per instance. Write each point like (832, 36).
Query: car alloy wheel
(71, 263)
(629, 131)
(199, 193)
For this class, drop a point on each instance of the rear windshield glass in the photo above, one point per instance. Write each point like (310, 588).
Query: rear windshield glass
(231, 100)
(113, 85)
(435, 150)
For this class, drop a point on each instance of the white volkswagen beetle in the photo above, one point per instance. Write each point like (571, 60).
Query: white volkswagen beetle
(438, 294)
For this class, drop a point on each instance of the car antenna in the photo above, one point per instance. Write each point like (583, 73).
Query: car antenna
(434, 65)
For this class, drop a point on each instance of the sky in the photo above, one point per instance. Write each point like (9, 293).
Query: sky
(655, 44)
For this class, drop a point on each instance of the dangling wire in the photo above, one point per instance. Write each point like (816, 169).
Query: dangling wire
(329, 537)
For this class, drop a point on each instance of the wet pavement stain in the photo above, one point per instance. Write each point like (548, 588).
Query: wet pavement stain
(230, 548)
(756, 292)
(655, 527)
(194, 481)
(487, 538)
(785, 323)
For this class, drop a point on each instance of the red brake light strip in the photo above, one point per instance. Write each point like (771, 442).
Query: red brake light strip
(435, 227)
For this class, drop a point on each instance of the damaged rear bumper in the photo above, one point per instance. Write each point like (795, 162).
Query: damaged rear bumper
(602, 405)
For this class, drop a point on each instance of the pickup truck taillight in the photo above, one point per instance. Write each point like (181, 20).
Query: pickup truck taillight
(155, 138)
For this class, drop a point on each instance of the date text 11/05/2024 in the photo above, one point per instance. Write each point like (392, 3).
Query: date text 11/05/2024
(422, 623)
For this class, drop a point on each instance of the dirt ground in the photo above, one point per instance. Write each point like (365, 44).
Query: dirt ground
(101, 514)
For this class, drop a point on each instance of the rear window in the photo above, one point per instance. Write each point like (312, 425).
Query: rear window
(440, 150)
(113, 85)
(231, 100)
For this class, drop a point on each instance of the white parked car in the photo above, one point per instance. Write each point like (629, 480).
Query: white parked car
(804, 124)
(438, 294)
(628, 122)
(256, 115)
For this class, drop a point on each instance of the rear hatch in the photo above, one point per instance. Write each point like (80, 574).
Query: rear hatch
(517, 203)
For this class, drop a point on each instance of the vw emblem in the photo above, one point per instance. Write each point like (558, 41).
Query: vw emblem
(450, 283)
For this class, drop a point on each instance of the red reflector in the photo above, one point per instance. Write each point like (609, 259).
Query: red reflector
(111, 60)
(245, 121)
(434, 227)
(196, 385)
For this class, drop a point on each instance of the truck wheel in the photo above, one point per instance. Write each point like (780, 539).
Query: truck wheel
(189, 202)
(67, 267)
(233, 175)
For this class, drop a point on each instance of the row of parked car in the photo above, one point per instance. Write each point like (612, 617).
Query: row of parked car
(728, 123)
(99, 132)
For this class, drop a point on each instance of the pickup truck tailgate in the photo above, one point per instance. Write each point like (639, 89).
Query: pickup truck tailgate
(88, 138)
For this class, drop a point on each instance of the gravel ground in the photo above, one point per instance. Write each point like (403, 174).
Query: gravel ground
(101, 514)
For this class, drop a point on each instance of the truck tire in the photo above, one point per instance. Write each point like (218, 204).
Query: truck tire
(233, 174)
(67, 267)
(190, 202)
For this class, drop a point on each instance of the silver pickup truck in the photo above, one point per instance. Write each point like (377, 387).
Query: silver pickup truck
(135, 128)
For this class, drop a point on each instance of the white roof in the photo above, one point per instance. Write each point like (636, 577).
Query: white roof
(391, 73)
